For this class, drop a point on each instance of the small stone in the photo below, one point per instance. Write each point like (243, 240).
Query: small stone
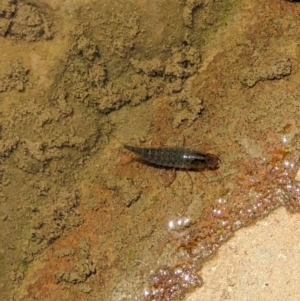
(297, 177)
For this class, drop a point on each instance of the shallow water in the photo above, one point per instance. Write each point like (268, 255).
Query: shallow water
(81, 217)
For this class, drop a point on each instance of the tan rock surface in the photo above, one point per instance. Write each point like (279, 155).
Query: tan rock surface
(259, 263)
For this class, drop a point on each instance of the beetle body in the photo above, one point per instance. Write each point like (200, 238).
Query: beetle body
(180, 158)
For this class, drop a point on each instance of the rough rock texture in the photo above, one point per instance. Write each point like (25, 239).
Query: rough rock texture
(84, 219)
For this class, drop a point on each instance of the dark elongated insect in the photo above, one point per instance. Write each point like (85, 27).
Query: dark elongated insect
(179, 158)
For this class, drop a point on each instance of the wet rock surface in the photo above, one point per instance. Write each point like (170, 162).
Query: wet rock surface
(79, 213)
